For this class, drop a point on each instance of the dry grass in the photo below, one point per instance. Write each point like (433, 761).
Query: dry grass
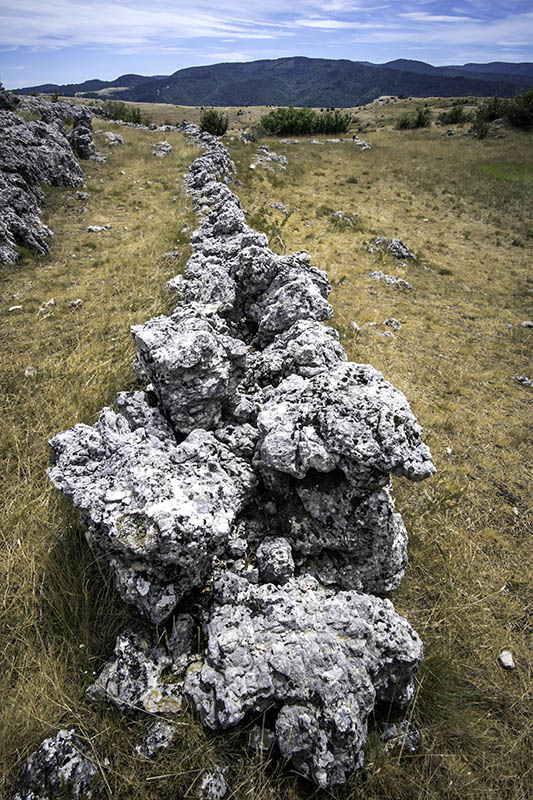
(468, 588)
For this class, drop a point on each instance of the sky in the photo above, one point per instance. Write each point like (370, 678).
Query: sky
(68, 41)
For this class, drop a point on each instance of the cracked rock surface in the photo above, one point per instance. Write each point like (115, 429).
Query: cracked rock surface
(31, 153)
(323, 660)
(243, 500)
(60, 767)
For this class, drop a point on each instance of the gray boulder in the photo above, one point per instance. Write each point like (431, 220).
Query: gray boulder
(157, 512)
(322, 661)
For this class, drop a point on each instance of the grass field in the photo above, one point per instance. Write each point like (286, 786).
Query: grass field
(464, 207)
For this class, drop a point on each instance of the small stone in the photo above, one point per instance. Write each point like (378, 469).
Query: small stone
(393, 323)
(14, 308)
(355, 327)
(523, 380)
(506, 660)
(528, 323)
(30, 372)
(261, 739)
(448, 451)
(213, 785)
(160, 736)
(404, 738)
(275, 561)
(76, 303)
(82, 196)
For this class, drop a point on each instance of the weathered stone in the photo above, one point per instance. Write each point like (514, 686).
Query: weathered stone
(132, 681)
(160, 736)
(322, 661)
(213, 784)
(403, 738)
(60, 768)
(193, 363)
(379, 275)
(275, 561)
(506, 659)
(31, 153)
(156, 511)
(350, 419)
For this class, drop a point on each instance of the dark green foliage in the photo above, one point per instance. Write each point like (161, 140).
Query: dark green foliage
(214, 122)
(298, 121)
(517, 110)
(422, 119)
(455, 116)
(116, 109)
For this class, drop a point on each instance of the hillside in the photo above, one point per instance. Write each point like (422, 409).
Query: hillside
(463, 206)
(303, 82)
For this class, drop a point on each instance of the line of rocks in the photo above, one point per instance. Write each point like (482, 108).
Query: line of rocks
(245, 496)
(32, 153)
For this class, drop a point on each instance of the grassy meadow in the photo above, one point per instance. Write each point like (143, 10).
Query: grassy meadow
(463, 206)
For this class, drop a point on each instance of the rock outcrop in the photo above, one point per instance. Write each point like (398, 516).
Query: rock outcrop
(32, 153)
(249, 486)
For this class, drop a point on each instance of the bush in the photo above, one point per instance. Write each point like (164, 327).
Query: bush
(519, 110)
(116, 109)
(298, 121)
(422, 119)
(214, 122)
(455, 116)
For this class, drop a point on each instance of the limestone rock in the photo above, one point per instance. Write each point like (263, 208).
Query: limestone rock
(160, 736)
(60, 767)
(350, 419)
(132, 681)
(322, 661)
(193, 363)
(275, 561)
(156, 511)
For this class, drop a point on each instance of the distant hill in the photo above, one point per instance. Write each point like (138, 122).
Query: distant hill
(302, 81)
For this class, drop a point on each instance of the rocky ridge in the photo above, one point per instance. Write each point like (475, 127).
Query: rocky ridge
(249, 486)
(35, 152)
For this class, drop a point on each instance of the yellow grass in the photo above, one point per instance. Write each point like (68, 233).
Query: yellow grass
(468, 587)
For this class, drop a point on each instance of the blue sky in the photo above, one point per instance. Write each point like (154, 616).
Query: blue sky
(60, 41)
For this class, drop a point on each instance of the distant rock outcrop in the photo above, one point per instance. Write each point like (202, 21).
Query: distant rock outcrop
(249, 486)
(31, 153)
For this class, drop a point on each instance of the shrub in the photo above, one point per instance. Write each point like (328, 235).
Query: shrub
(116, 109)
(214, 122)
(422, 119)
(491, 109)
(297, 121)
(454, 116)
(519, 110)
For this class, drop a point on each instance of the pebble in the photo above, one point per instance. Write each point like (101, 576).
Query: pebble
(523, 380)
(506, 659)
(528, 323)
(14, 308)
(30, 372)
(76, 303)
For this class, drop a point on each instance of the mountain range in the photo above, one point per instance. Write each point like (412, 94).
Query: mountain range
(302, 81)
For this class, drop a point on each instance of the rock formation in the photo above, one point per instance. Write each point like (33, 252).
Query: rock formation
(31, 153)
(249, 486)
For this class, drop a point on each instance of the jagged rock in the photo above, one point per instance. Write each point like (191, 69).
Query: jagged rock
(60, 768)
(8, 100)
(523, 380)
(362, 145)
(132, 681)
(31, 153)
(350, 419)
(193, 363)
(322, 661)
(160, 736)
(275, 561)
(306, 348)
(379, 275)
(156, 511)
